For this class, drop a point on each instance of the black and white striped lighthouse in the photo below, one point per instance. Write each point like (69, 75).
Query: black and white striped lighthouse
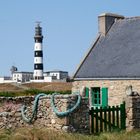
(38, 53)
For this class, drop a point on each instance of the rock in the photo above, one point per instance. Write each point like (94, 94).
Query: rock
(1, 124)
(57, 126)
(21, 121)
(53, 121)
(47, 105)
(9, 126)
(40, 114)
(65, 128)
(18, 119)
(12, 120)
(18, 114)
(4, 114)
(72, 129)
(12, 113)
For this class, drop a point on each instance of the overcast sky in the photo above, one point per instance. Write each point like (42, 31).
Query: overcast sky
(69, 28)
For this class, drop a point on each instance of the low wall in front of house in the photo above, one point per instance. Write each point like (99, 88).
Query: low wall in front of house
(116, 88)
(132, 112)
(78, 121)
(10, 113)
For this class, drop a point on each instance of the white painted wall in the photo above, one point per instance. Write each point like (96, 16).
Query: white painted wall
(47, 79)
(2, 80)
(38, 60)
(17, 77)
(38, 46)
(38, 73)
(21, 76)
(56, 74)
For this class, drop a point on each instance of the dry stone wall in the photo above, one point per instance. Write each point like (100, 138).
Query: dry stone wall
(10, 113)
(132, 112)
(78, 121)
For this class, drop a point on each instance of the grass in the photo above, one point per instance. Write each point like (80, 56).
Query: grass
(45, 134)
(53, 86)
(13, 90)
(29, 92)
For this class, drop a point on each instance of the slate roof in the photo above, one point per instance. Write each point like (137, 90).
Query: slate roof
(116, 55)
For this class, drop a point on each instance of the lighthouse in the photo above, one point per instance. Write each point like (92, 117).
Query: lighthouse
(38, 53)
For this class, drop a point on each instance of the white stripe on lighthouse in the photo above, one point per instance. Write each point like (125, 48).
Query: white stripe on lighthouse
(38, 46)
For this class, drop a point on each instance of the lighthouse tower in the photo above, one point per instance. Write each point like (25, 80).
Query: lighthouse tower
(38, 53)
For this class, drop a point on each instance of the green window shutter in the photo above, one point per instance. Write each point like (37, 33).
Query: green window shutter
(104, 97)
(87, 92)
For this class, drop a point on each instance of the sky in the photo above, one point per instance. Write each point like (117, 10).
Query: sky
(69, 28)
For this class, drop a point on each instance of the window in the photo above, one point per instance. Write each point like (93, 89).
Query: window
(96, 96)
(99, 96)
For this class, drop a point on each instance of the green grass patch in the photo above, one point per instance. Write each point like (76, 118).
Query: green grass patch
(45, 134)
(36, 91)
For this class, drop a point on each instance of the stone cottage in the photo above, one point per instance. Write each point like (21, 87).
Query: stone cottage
(113, 61)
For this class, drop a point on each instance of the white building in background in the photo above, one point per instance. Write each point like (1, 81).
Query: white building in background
(22, 76)
(6, 79)
(56, 75)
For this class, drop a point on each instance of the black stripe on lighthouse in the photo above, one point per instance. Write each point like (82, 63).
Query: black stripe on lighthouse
(38, 39)
(38, 66)
(38, 54)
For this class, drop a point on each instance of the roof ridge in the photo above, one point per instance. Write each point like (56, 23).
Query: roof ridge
(136, 17)
(127, 19)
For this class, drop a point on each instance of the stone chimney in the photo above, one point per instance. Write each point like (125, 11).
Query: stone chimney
(106, 20)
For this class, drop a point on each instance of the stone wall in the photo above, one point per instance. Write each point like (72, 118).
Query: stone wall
(78, 121)
(116, 88)
(10, 113)
(132, 112)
